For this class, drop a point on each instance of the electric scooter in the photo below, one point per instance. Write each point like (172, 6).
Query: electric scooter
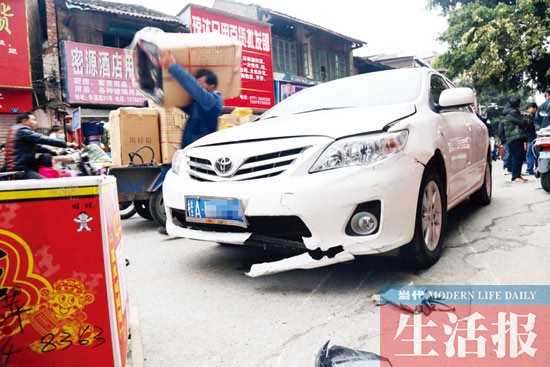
(541, 150)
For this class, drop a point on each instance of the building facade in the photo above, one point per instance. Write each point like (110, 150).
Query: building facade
(72, 54)
(17, 48)
(77, 58)
(304, 54)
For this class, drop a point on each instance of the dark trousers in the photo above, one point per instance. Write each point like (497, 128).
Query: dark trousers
(516, 157)
(506, 161)
(531, 160)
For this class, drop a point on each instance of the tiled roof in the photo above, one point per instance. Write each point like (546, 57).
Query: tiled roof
(130, 10)
(264, 14)
(282, 15)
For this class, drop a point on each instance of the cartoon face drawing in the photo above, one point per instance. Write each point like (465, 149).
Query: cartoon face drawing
(68, 297)
(65, 304)
(83, 220)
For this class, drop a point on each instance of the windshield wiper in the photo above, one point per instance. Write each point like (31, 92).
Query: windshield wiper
(269, 117)
(308, 111)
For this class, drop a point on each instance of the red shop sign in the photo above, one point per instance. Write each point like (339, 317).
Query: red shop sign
(100, 75)
(257, 89)
(14, 45)
(12, 101)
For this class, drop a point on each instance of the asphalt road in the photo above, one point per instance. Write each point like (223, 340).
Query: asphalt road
(192, 305)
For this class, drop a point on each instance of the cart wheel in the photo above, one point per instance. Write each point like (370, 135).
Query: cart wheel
(142, 208)
(156, 207)
(127, 209)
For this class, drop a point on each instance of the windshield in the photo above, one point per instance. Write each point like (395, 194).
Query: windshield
(371, 89)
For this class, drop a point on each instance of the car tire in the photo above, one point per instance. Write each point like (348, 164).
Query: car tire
(431, 221)
(483, 195)
(156, 207)
(545, 181)
(127, 209)
(142, 208)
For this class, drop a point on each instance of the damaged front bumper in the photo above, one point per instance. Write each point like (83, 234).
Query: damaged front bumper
(303, 261)
(307, 260)
(323, 204)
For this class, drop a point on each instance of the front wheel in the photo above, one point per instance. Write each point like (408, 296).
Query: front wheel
(545, 181)
(431, 219)
(156, 207)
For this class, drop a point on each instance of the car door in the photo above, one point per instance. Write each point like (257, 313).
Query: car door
(480, 143)
(455, 134)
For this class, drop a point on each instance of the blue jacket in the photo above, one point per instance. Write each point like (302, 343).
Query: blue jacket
(22, 143)
(203, 112)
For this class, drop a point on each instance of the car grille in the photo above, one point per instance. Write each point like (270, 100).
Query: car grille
(255, 167)
(284, 228)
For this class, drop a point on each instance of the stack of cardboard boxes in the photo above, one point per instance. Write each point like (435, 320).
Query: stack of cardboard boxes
(145, 135)
(171, 123)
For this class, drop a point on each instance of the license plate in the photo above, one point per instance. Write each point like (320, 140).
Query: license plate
(212, 210)
(544, 155)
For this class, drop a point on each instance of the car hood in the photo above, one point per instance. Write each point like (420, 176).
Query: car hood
(335, 124)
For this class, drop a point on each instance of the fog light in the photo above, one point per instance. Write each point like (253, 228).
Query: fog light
(364, 223)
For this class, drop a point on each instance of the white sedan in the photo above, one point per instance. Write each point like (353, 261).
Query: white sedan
(360, 165)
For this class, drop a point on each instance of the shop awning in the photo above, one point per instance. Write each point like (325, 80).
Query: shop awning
(98, 113)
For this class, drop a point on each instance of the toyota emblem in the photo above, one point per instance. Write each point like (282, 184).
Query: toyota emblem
(223, 166)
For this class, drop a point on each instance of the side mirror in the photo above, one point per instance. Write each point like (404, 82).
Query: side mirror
(456, 97)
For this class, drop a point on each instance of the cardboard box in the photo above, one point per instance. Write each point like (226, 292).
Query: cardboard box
(216, 52)
(132, 131)
(64, 299)
(237, 117)
(172, 122)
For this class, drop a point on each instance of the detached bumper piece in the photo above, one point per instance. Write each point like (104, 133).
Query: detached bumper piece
(308, 260)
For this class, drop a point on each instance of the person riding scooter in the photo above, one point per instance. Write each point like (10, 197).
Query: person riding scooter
(22, 144)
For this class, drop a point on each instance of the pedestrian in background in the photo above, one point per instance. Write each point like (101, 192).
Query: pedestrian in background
(485, 120)
(542, 118)
(45, 166)
(531, 136)
(515, 132)
(56, 132)
(506, 162)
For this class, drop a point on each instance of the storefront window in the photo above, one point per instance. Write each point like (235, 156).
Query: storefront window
(284, 56)
(329, 65)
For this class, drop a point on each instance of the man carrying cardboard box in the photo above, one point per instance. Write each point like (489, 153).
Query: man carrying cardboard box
(207, 102)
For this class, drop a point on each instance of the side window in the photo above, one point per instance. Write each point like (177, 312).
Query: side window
(437, 85)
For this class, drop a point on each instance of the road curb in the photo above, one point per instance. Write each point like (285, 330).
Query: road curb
(135, 346)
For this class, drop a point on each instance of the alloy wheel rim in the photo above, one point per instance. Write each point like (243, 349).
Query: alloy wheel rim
(432, 216)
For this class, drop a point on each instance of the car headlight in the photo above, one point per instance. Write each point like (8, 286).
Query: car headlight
(177, 161)
(361, 150)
